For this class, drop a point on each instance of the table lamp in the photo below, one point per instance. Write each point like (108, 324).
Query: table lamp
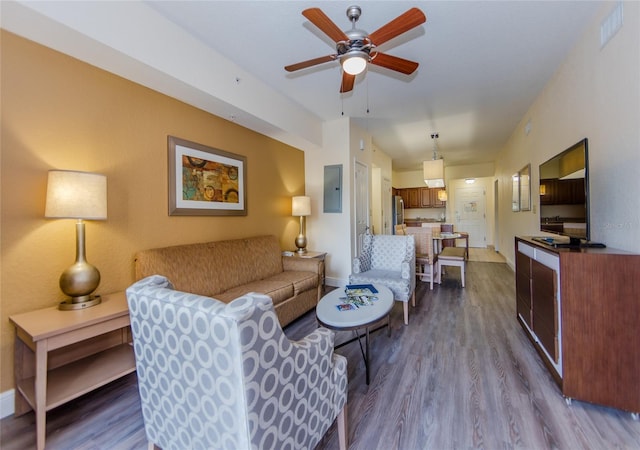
(82, 196)
(301, 206)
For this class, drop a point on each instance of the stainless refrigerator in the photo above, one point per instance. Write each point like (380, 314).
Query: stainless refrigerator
(398, 212)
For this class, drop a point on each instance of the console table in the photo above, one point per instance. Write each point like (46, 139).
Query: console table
(580, 309)
(61, 355)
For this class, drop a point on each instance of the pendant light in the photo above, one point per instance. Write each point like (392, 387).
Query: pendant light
(434, 170)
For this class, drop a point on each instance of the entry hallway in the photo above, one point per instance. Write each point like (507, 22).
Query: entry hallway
(461, 375)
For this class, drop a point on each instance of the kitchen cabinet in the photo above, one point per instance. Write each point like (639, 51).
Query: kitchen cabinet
(414, 198)
(562, 192)
(420, 197)
(435, 201)
(425, 198)
(579, 308)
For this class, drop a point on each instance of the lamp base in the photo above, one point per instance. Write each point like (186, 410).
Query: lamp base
(80, 303)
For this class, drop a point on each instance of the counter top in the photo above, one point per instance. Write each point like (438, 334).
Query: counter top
(562, 249)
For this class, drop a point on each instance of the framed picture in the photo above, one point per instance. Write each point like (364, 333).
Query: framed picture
(205, 181)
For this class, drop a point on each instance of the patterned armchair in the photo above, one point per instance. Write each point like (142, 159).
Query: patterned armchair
(391, 261)
(213, 375)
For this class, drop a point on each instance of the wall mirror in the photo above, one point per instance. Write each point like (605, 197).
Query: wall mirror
(525, 188)
(515, 192)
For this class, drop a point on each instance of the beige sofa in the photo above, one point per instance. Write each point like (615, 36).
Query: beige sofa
(229, 269)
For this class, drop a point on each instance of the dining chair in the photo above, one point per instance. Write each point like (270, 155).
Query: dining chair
(452, 256)
(426, 259)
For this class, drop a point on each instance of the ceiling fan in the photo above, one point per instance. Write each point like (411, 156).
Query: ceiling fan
(356, 48)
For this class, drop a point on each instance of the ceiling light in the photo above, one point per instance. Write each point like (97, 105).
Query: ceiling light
(433, 170)
(469, 180)
(354, 62)
(433, 173)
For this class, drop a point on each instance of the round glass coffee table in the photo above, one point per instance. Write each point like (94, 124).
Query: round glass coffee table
(330, 316)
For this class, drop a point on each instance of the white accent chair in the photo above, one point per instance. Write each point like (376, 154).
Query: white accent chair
(389, 260)
(224, 376)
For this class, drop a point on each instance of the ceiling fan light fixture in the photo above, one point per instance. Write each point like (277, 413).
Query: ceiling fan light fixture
(354, 62)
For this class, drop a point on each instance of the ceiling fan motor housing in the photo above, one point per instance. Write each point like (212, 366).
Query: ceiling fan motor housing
(353, 13)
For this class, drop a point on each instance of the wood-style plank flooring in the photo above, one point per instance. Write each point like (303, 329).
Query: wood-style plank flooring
(461, 375)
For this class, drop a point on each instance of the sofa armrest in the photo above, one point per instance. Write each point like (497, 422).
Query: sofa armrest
(303, 264)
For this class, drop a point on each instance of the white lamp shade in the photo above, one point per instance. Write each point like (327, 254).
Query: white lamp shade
(354, 63)
(76, 195)
(301, 206)
(433, 173)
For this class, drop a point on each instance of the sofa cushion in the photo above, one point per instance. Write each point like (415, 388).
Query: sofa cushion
(301, 281)
(245, 260)
(189, 267)
(279, 291)
(212, 268)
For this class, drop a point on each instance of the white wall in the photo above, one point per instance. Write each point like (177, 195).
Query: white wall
(321, 227)
(334, 232)
(594, 94)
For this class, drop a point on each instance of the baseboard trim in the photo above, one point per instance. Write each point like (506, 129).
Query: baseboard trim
(7, 403)
(335, 282)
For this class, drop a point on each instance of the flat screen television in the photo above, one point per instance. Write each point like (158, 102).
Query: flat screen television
(564, 196)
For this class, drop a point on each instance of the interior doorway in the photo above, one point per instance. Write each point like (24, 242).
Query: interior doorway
(361, 176)
(386, 206)
(496, 217)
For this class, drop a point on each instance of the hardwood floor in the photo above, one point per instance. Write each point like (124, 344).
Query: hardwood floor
(461, 375)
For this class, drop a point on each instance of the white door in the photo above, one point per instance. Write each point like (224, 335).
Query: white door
(469, 214)
(387, 198)
(496, 218)
(362, 203)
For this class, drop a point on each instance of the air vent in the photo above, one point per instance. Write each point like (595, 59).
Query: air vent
(610, 26)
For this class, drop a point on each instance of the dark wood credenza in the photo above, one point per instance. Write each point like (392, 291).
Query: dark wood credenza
(581, 310)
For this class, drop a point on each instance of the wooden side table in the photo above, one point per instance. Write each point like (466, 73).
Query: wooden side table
(307, 254)
(61, 355)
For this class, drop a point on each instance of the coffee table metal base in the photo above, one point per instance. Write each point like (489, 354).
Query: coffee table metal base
(358, 337)
(363, 318)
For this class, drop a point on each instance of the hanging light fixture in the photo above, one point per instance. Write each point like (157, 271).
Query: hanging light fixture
(354, 62)
(434, 170)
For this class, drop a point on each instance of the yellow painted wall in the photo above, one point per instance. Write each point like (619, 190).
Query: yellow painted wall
(60, 113)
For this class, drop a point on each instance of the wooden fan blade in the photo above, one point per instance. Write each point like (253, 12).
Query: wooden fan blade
(347, 82)
(320, 20)
(394, 63)
(397, 26)
(309, 63)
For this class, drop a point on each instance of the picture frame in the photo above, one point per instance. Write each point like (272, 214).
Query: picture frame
(205, 181)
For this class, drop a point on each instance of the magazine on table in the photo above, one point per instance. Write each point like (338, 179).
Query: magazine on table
(358, 295)
(360, 290)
